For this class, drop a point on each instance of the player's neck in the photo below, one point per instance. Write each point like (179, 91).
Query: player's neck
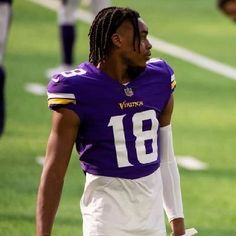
(115, 70)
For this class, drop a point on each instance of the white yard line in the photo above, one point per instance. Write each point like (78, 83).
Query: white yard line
(40, 160)
(51, 4)
(191, 163)
(194, 58)
(36, 88)
(162, 46)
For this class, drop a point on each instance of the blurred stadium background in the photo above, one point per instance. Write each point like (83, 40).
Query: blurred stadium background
(204, 120)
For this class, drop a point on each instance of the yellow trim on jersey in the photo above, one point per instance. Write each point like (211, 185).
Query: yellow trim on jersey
(60, 101)
(173, 84)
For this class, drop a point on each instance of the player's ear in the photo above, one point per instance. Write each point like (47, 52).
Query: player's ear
(116, 40)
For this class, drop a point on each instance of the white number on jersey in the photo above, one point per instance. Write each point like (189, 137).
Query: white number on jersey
(141, 136)
(74, 72)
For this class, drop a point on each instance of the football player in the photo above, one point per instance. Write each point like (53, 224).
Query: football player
(228, 7)
(117, 110)
(67, 28)
(5, 15)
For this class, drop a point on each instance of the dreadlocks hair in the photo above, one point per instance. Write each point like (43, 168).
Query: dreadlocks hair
(221, 3)
(104, 25)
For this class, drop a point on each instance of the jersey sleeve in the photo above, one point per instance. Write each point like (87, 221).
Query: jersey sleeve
(60, 92)
(165, 68)
(172, 76)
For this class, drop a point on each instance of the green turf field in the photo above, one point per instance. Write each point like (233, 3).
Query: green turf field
(204, 120)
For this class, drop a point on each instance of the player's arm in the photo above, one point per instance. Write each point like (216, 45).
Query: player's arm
(170, 174)
(65, 125)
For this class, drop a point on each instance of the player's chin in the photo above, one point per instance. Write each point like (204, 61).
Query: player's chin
(142, 63)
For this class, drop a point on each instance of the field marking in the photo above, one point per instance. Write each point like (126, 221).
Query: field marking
(160, 45)
(194, 58)
(191, 163)
(40, 160)
(185, 162)
(36, 88)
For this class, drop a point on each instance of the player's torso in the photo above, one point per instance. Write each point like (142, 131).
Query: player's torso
(118, 134)
(119, 123)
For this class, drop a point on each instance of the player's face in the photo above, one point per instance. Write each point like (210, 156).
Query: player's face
(230, 10)
(137, 55)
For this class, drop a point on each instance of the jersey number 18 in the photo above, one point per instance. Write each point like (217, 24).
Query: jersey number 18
(116, 122)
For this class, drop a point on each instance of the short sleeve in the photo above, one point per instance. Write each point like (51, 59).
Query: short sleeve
(172, 76)
(60, 92)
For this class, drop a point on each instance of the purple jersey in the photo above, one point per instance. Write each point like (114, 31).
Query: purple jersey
(118, 134)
